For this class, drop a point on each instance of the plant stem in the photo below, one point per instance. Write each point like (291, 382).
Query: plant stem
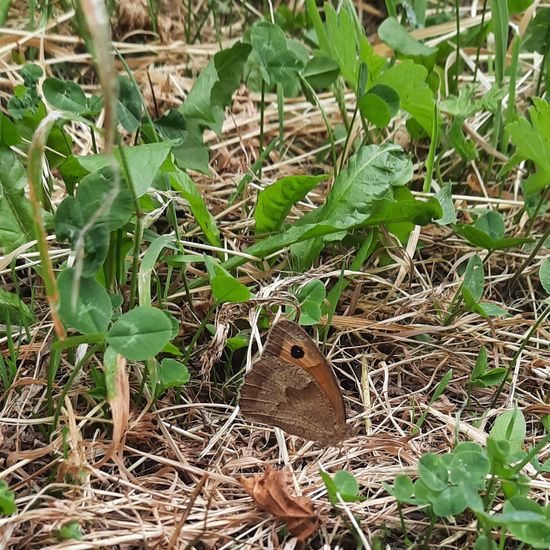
(534, 252)
(518, 353)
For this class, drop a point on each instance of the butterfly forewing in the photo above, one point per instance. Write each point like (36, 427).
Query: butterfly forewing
(292, 386)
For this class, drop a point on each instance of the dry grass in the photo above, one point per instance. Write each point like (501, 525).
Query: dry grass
(173, 484)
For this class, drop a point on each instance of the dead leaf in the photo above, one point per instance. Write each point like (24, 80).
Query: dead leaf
(270, 493)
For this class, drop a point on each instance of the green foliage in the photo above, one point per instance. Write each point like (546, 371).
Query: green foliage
(482, 376)
(462, 107)
(91, 311)
(66, 95)
(16, 225)
(451, 483)
(186, 187)
(311, 297)
(275, 201)
(544, 275)
(396, 36)
(343, 484)
(129, 105)
(7, 500)
(14, 308)
(215, 86)
(69, 531)
(225, 288)
(140, 333)
(277, 62)
(532, 141)
(171, 374)
(26, 99)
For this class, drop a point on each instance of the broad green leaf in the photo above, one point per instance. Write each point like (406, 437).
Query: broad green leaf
(403, 488)
(311, 297)
(129, 105)
(517, 6)
(277, 62)
(370, 174)
(445, 198)
(74, 214)
(344, 484)
(492, 377)
(92, 310)
(12, 305)
(409, 80)
(228, 289)
(544, 274)
(172, 374)
(65, 95)
(16, 224)
(192, 154)
(184, 185)
(321, 71)
(341, 43)
(491, 223)
(395, 35)
(347, 486)
(532, 140)
(535, 183)
(536, 36)
(140, 333)
(423, 493)
(379, 212)
(469, 468)
(532, 525)
(276, 200)
(7, 500)
(510, 426)
(475, 236)
(484, 543)
(433, 472)
(492, 310)
(95, 190)
(375, 110)
(143, 161)
(9, 134)
(215, 85)
(239, 341)
(474, 277)
(450, 502)
(481, 364)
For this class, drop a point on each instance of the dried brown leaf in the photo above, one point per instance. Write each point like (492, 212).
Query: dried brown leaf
(270, 492)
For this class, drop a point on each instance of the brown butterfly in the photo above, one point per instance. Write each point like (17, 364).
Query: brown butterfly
(293, 387)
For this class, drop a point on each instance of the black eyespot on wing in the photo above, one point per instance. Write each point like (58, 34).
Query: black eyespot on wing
(297, 352)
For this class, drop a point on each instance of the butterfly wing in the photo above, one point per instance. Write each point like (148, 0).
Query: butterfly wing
(283, 395)
(285, 338)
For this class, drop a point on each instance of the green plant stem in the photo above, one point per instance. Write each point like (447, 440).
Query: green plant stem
(69, 384)
(457, 61)
(138, 227)
(330, 133)
(524, 343)
(478, 51)
(262, 109)
(431, 154)
(542, 200)
(346, 143)
(198, 333)
(534, 252)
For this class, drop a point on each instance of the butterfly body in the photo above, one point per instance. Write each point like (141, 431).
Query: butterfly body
(293, 387)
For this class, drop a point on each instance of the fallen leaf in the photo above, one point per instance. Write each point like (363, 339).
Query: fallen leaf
(270, 493)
